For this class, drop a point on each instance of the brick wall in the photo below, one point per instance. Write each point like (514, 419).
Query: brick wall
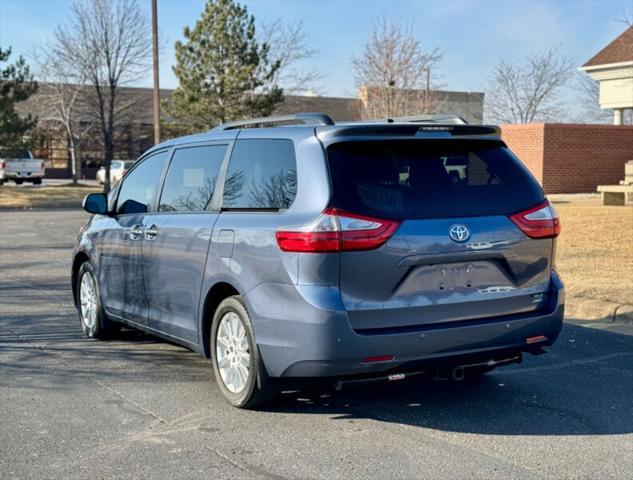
(567, 158)
(526, 141)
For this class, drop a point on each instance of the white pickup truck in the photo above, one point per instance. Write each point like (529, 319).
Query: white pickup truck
(20, 166)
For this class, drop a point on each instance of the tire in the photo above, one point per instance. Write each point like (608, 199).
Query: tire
(18, 182)
(242, 386)
(37, 181)
(93, 319)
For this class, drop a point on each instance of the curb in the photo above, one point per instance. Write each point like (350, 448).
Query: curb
(590, 310)
(42, 208)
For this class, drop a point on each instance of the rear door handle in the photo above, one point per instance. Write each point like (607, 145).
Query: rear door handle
(151, 232)
(136, 231)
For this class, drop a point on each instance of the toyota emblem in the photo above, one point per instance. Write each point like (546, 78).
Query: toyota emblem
(459, 233)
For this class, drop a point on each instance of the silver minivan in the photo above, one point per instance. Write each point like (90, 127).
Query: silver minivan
(289, 248)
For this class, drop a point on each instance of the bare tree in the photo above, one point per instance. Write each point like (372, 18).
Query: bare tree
(627, 17)
(394, 73)
(289, 46)
(61, 99)
(529, 92)
(110, 42)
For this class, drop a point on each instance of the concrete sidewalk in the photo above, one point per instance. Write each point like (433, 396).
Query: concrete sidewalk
(591, 310)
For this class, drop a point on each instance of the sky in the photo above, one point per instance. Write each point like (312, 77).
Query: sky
(472, 34)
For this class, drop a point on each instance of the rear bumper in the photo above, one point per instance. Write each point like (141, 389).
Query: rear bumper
(304, 331)
(23, 175)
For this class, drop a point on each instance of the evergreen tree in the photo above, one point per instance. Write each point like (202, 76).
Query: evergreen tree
(224, 72)
(16, 85)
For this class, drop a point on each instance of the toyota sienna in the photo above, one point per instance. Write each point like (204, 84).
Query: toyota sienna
(290, 248)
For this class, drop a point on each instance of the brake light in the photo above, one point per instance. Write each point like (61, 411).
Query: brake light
(540, 221)
(2, 164)
(337, 231)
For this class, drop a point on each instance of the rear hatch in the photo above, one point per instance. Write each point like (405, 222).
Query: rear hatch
(457, 254)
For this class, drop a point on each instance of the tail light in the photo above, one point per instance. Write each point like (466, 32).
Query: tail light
(540, 221)
(3, 164)
(337, 231)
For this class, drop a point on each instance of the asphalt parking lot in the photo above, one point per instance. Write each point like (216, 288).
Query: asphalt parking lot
(138, 407)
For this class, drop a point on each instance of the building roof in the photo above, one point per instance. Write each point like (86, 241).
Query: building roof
(619, 50)
(469, 105)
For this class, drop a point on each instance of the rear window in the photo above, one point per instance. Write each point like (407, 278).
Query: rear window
(11, 153)
(429, 179)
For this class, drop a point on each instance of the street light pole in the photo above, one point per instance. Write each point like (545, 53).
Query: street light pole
(156, 93)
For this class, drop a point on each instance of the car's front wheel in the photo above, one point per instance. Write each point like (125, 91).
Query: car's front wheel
(94, 322)
(238, 369)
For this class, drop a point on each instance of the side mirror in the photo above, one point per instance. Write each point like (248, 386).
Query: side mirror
(96, 203)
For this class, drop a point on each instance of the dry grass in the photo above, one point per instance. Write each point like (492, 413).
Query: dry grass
(595, 249)
(59, 196)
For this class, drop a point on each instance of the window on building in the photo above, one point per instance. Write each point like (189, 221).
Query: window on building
(262, 174)
(191, 179)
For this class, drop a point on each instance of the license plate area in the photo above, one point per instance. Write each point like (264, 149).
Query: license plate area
(483, 276)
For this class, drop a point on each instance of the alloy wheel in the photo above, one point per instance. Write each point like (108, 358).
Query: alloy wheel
(88, 300)
(233, 352)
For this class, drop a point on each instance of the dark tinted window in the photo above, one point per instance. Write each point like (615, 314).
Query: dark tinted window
(427, 179)
(262, 174)
(139, 185)
(191, 178)
(11, 153)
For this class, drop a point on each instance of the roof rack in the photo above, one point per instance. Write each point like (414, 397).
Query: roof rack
(309, 118)
(445, 118)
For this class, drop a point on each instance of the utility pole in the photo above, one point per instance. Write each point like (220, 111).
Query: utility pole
(156, 93)
(428, 87)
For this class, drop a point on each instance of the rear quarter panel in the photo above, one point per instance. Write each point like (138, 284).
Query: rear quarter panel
(244, 250)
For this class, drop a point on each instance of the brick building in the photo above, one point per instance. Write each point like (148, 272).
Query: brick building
(568, 158)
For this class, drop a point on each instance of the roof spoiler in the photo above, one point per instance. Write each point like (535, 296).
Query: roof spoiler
(443, 118)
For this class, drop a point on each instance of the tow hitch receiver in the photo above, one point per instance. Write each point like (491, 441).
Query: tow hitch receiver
(458, 374)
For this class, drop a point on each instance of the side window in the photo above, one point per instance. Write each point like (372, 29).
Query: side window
(262, 174)
(191, 178)
(139, 186)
